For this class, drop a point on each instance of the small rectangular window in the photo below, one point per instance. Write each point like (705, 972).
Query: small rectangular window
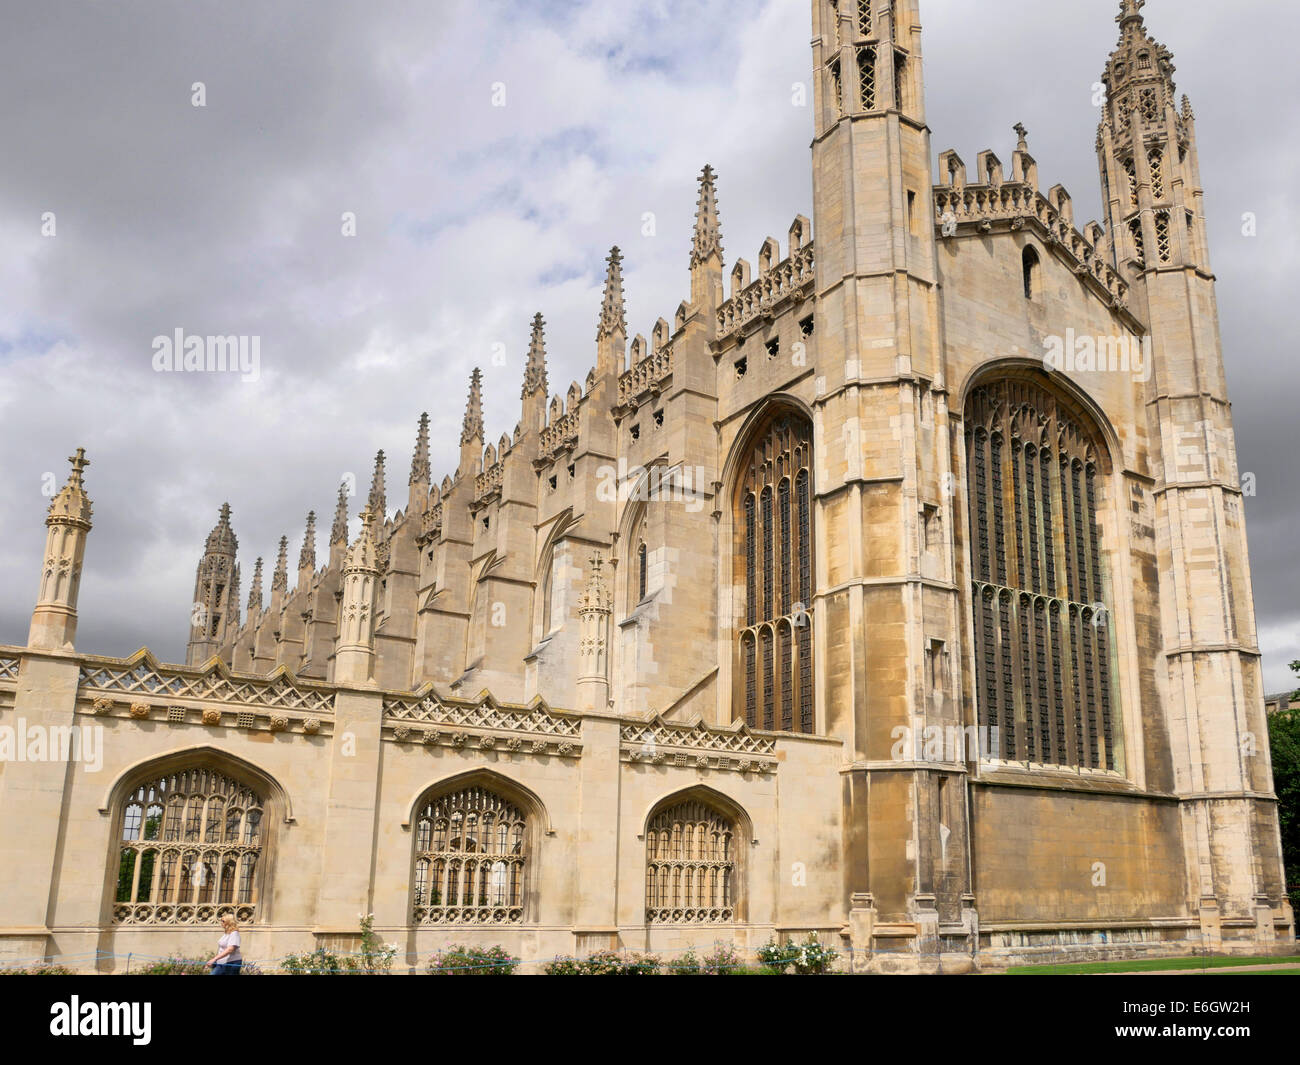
(742, 366)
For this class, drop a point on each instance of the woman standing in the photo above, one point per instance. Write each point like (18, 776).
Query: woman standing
(227, 961)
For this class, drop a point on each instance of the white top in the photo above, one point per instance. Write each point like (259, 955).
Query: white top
(229, 939)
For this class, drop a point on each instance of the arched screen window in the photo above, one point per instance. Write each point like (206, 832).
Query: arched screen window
(1043, 631)
(690, 866)
(470, 851)
(190, 849)
(773, 679)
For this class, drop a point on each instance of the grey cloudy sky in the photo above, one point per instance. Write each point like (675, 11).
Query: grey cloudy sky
(470, 218)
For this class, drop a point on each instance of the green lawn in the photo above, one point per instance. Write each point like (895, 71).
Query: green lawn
(1147, 965)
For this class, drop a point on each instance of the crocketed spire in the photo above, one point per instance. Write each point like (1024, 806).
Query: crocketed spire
(473, 427)
(420, 460)
(378, 496)
(221, 540)
(280, 578)
(255, 592)
(613, 314)
(307, 557)
(339, 530)
(535, 371)
(708, 228)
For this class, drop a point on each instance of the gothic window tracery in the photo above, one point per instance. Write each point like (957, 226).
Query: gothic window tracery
(690, 866)
(1042, 609)
(774, 526)
(470, 857)
(190, 850)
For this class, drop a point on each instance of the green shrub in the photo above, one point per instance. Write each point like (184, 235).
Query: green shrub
(37, 970)
(472, 961)
(604, 963)
(174, 967)
(776, 957)
(723, 961)
(687, 964)
(319, 962)
(812, 958)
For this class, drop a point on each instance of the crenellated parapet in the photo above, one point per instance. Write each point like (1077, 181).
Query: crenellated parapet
(648, 378)
(1008, 206)
(785, 282)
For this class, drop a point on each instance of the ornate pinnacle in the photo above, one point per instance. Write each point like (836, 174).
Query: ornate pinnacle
(255, 592)
(307, 557)
(595, 597)
(361, 555)
(535, 371)
(71, 506)
(221, 540)
(1129, 10)
(378, 499)
(1022, 144)
(280, 578)
(420, 460)
(339, 530)
(613, 316)
(708, 229)
(473, 427)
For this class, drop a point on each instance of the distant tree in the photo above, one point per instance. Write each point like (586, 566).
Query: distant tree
(1284, 743)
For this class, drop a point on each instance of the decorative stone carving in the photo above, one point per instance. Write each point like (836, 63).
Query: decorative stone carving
(311, 726)
(101, 707)
(279, 723)
(140, 711)
(212, 716)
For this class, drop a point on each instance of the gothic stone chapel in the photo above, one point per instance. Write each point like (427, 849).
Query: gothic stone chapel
(867, 512)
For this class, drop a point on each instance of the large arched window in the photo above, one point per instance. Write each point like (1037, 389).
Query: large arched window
(690, 873)
(470, 852)
(190, 850)
(1045, 684)
(774, 539)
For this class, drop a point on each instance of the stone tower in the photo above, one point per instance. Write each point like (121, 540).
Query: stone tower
(882, 464)
(54, 620)
(216, 593)
(1209, 666)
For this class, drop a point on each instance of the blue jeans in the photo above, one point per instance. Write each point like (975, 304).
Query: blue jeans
(226, 968)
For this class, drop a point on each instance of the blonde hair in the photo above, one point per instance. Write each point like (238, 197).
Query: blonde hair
(229, 923)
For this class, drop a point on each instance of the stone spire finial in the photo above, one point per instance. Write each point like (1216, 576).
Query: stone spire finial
(613, 315)
(362, 555)
(473, 426)
(221, 540)
(255, 592)
(1130, 10)
(378, 499)
(280, 578)
(1022, 143)
(535, 371)
(339, 530)
(420, 460)
(708, 228)
(307, 557)
(71, 505)
(54, 620)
